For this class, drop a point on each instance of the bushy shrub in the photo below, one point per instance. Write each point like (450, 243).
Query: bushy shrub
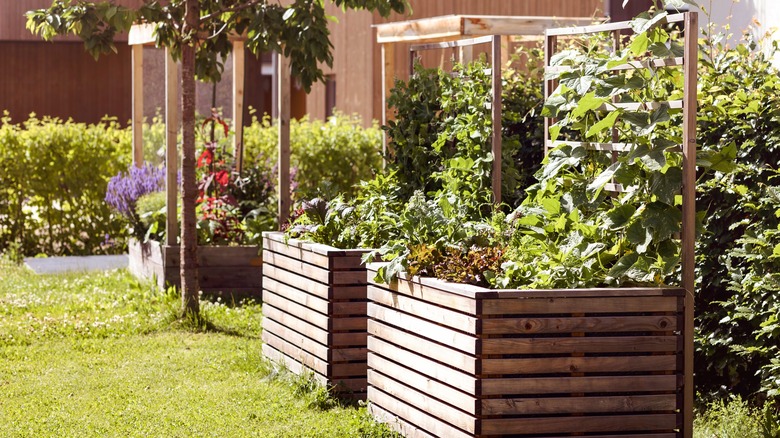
(330, 157)
(53, 177)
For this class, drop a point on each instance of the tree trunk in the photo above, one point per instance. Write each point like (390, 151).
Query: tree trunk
(189, 192)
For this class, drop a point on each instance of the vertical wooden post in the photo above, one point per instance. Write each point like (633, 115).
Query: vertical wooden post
(496, 108)
(171, 149)
(284, 138)
(138, 105)
(689, 210)
(238, 104)
(388, 76)
(550, 46)
(466, 54)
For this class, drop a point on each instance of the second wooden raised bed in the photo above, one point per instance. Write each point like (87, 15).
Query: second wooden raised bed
(462, 361)
(231, 272)
(314, 311)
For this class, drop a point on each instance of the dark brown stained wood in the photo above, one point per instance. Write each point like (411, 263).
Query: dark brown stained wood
(421, 400)
(586, 405)
(553, 365)
(357, 339)
(465, 402)
(381, 350)
(590, 324)
(564, 385)
(346, 308)
(650, 422)
(579, 305)
(449, 356)
(428, 330)
(314, 272)
(229, 276)
(430, 423)
(312, 302)
(218, 255)
(437, 314)
(618, 344)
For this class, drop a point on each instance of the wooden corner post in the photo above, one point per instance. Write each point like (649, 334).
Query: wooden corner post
(283, 75)
(138, 105)
(496, 113)
(172, 118)
(238, 104)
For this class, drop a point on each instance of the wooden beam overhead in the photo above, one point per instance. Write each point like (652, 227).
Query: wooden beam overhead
(455, 26)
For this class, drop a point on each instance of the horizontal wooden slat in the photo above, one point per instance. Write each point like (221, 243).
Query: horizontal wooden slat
(553, 365)
(566, 385)
(218, 256)
(280, 302)
(596, 28)
(617, 344)
(304, 357)
(431, 294)
(577, 405)
(297, 339)
(313, 302)
(301, 252)
(437, 314)
(422, 419)
(416, 360)
(314, 272)
(356, 385)
(298, 325)
(296, 366)
(590, 324)
(322, 290)
(461, 400)
(424, 402)
(423, 328)
(438, 352)
(451, 44)
(579, 305)
(397, 423)
(509, 426)
(311, 246)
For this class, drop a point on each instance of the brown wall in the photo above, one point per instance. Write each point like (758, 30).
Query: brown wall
(357, 58)
(60, 79)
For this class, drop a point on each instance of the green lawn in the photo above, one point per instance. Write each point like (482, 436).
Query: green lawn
(103, 355)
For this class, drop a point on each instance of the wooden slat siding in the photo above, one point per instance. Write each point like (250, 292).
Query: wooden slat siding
(423, 420)
(435, 351)
(311, 302)
(299, 325)
(314, 272)
(437, 314)
(229, 276)
(563, 345)
(217, 255)
(297, 339)
(575, 305)
(428, 330)
(601, 364)
(379, 350)
(566, 385)
(279, 301)
(409, 395)
(432, 295)
(650, 423)
(586, 405)
(406, 429)
(335, 260)
(411, 377)
(307, 359)
(306, 284)
(601, 324)
(355, 385)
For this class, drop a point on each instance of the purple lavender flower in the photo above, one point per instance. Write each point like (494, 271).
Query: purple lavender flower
(125, 188)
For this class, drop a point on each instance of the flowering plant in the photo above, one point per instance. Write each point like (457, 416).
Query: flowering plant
(126, 188)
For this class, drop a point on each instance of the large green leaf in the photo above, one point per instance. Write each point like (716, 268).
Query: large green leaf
(662, 220)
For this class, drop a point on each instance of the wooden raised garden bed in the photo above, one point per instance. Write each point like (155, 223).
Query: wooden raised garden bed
(232, 272)
(314, 311)
(457, 360)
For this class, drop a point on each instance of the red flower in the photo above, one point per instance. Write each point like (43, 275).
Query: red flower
(206, 157)
(223, 178)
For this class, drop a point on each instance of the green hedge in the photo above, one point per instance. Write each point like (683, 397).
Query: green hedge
(53, 177)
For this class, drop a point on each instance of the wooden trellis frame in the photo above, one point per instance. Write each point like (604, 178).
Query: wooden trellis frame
(462, 32)
(143, 35)
(688, 64)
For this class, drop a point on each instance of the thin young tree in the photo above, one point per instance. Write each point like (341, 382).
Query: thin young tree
(197, 33)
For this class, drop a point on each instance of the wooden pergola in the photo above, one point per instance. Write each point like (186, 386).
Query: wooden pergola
(143, 35)
(460, 33)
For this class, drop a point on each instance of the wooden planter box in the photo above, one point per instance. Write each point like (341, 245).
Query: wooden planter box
(232, 272)
(453, 360)
(314, 311)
